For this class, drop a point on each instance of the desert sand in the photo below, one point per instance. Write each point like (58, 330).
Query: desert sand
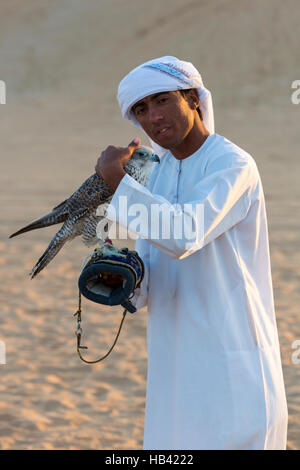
(62, 62)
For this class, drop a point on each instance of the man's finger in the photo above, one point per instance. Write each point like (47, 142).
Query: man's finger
(134, 144)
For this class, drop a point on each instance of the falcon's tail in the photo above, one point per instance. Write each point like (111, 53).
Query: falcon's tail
(52, 218)
(54, 247)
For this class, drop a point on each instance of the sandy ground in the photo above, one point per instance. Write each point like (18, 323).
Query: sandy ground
(62, 61)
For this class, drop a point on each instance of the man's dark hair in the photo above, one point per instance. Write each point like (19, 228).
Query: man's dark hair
(184, 94)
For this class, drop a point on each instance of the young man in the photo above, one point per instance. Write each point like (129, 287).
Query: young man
(214, 369)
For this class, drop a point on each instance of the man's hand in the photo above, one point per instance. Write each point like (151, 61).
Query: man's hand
(111, 163)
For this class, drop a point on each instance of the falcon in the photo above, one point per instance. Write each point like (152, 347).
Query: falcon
(79, 212)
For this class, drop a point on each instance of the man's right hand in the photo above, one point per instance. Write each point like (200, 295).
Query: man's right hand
(110, 165)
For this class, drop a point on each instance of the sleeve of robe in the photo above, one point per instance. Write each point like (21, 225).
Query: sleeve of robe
(224, 193)
(140, 298)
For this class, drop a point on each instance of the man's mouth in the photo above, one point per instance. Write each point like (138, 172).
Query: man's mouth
(162, 131)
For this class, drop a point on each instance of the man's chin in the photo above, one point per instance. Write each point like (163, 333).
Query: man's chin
(165, 142)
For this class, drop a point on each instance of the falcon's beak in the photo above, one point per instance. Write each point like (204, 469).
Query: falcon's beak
(155, 158)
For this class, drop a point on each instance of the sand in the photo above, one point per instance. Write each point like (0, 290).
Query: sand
(62, 61)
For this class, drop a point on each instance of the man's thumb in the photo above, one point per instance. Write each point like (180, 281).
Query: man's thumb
(134, 144)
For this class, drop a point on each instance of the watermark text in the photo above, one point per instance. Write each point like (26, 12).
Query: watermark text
(296, 353)
(159, 222)
(2, 92)
(2, 353)
(295, 97)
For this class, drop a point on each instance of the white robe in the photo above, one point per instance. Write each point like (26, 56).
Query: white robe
(214, 368)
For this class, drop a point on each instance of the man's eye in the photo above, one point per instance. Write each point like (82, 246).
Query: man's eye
(139, 111)
(163, 100)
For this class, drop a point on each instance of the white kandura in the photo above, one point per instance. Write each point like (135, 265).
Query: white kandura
(214, 368)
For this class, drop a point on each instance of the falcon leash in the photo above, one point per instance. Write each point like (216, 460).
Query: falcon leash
(78, 334)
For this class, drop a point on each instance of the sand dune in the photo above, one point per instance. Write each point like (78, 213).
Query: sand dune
(62, 62)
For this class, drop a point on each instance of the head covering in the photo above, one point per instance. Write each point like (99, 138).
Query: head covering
(163, 74)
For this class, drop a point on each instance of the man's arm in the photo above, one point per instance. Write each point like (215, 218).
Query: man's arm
(223, 199)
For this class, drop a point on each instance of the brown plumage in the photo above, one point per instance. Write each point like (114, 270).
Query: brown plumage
(78, 212)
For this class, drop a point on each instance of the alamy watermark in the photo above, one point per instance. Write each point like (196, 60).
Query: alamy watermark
(162, 222)
(2, 92)
(296, 354)
(2, 353)
(295, 97)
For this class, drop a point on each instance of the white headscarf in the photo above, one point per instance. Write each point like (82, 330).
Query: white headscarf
(163, 74)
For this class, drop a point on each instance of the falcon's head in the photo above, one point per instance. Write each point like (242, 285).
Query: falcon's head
(144, 154)
(141, 162)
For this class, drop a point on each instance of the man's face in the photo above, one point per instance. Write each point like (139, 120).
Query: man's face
(166, 117)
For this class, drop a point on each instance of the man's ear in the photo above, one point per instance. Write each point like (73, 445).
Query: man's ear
(193, 98)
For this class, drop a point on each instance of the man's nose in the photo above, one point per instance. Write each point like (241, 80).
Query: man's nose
(154, 114)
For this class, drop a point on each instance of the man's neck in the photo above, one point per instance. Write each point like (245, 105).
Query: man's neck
(192, 142)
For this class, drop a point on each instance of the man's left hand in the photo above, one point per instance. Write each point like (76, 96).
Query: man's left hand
(111, 163)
